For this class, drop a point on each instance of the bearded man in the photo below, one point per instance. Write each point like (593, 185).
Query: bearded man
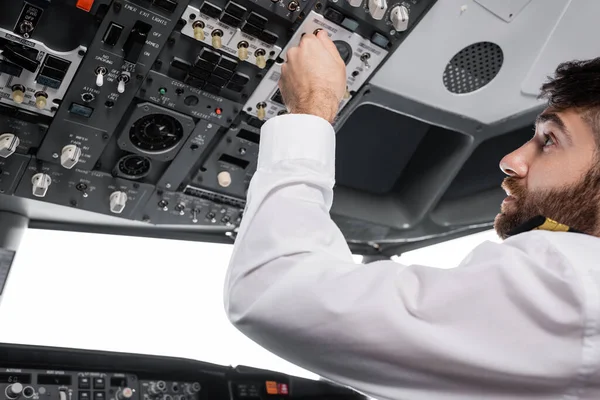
(516, 320)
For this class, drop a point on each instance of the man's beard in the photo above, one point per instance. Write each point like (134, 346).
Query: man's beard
(577, 206)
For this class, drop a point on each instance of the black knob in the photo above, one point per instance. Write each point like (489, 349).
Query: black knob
(344, 49)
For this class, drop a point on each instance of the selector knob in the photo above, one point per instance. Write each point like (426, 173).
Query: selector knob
(14, 391)
(377, 8)
(399, 17)
(41, 182)
(126, 393)
(224, 178)
(8, 144)
(70, 156)
(118, 200)
(355, 3)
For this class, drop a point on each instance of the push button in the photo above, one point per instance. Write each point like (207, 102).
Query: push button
(98, 383)
(84, 382)
(84, 396)
(99, 396)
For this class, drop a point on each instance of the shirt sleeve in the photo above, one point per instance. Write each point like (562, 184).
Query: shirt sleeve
(502, 325)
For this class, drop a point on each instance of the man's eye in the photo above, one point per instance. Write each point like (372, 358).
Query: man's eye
(548, 141)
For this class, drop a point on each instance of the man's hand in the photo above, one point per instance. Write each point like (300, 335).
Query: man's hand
(313, 80)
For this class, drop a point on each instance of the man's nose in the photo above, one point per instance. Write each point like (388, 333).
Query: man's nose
(516, 164)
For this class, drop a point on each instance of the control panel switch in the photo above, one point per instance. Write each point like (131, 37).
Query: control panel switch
(355, 3)
(118, 200)
(100, 72)
(18, 94)
(216, 39)
(41, 182)
(377, 8)
(261, 110)
(14, 391)
(399, 17)
(122, 80)
(261, 60)
(224, 178)
(41, 100)
(198, 30)
(8, 144)
(243, 50)
(125, 393)
(70, 156)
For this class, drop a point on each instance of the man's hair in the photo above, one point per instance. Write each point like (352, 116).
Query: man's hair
(576, 84)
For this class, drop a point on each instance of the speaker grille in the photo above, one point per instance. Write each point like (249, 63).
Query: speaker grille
(473, 67)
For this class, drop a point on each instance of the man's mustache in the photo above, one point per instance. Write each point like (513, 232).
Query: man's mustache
(513, 186)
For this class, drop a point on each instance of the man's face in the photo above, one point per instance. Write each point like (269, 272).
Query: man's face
(555, 174)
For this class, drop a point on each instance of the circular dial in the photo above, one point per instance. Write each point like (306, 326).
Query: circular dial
(344, 49)
(155, 133)
(134, 166)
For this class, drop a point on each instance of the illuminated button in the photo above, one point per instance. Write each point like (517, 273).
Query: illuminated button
(84, 396)
(271, 387)
(85, 5)
(218, 111)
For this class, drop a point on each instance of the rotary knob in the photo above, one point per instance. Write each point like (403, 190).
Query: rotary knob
(377, 8)
(224, 178)
(125, 394)
(399, 17)
(41, 182)
(14, 391)
(70, 156)
(8, 144)
(118, 200)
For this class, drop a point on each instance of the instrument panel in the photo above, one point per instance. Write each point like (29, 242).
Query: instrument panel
(150, 110)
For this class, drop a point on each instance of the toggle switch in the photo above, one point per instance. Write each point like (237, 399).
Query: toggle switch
(243, 50)
(41, 100)
(18, 93)
(8, 144)
(41, 182)
(261, 60)
(261, 110)
(198, 27)
(216, 38)
(122, 80)
(100, 72)
(70, 156)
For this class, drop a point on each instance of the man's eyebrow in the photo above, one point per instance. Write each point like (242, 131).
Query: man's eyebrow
(556, 120)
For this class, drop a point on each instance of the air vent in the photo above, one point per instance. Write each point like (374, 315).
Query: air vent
(473, 67)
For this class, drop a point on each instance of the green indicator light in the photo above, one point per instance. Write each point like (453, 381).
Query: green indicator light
(162, 91)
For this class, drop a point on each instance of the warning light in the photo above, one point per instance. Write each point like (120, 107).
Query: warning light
(277, 388)
(271, 387)
(218, 111)
(85, 5)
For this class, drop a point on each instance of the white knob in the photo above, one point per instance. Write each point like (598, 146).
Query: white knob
(99, 80)
(70, 156)
(355, 3)
(117, 202)
(377, 8)
(8, 144)
(125, 394)
(224, 178)
(399, 18)
(121, 87)
(41, 182)
(14, 391)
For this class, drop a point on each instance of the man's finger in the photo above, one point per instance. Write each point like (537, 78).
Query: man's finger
(328, 43)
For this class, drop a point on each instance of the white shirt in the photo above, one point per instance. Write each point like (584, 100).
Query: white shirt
(517, 320)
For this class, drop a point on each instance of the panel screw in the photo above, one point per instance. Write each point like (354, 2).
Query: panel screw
(105, 136)
(81, 53)
(136, 185)
(73, 203)
(55, 155)
(117, 6)
(146, 218)
(168, 186)
(139, 77)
